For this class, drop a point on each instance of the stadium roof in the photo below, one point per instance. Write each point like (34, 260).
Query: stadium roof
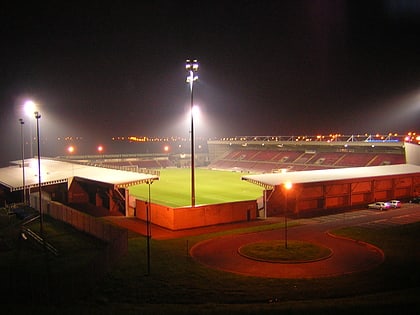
(276, 179)
(53, 172)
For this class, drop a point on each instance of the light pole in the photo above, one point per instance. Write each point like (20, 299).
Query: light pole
(287, 186)
(192, 66)
(23, 159)
(41, 220)
(148, 227)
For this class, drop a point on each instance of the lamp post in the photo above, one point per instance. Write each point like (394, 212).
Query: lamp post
(192, 66)
(37, 117)
(287, 186)
(23, 159)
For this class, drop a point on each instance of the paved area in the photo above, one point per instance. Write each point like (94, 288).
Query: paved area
(349, 256)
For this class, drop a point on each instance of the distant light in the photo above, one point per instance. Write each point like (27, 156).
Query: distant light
(288, 185)
(166, 148)
(100, 148)
(70, 149)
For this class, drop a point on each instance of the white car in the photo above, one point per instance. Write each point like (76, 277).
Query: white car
(395, 203)
(379, 205)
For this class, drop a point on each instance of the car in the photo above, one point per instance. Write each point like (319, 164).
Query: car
(380, 205)
(415, 200)
(395, 203)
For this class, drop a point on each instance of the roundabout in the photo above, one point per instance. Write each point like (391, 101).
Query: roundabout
(240, 254)
(278, 251)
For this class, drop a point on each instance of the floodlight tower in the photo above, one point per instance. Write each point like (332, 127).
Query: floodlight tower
(23, 158)
(41, 219)
(192, 66)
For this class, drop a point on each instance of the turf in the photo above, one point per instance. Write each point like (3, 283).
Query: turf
(174, 188)
(276, 251)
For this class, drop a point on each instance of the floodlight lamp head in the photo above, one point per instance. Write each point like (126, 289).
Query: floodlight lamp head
(195, 65)
(191, 65)
(37, 115)
(21, 121)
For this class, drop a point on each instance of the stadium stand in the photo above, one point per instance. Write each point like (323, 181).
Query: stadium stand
(150, 163)
(268, 161)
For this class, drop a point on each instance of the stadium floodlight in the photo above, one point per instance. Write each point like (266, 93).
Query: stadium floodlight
(192, 66)
(23, 159)
(41, 223)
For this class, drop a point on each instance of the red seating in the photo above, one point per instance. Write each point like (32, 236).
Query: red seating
(387, 159)
(267, 161)
(356, 159)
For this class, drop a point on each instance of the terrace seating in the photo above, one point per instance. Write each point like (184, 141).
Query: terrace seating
(356, 159)
(139, 164)
(267, 161)
(288, 156)
(304, 158)
(266, 155)
(326, 158)
(387, 159)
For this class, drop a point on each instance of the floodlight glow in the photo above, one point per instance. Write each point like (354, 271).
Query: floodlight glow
(29, 107)
(196, 112)
(288, 185)
(100, 148)
(70, 149)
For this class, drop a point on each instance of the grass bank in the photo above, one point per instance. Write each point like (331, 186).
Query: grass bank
(179, 285)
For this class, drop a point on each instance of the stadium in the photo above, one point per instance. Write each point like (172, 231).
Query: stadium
(328, 173)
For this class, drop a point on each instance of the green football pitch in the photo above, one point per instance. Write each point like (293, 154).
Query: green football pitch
(174, 188)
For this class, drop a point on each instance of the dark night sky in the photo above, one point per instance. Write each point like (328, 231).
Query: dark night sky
(266, 67)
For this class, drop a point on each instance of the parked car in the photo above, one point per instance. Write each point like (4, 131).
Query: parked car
(395, 203)
(379, 205)
(415, 200)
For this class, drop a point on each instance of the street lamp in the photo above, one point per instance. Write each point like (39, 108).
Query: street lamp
(287, 186)
(23, 159)
(37, 117)
(192, 66)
